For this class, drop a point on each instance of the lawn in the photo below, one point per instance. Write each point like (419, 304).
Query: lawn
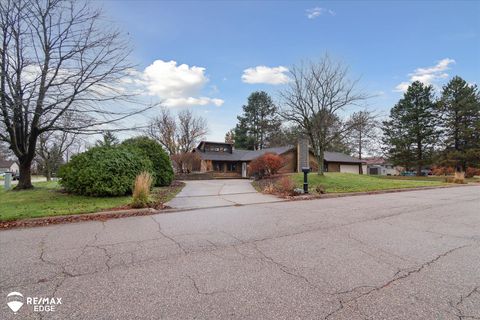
(47, 199)
(348, 182)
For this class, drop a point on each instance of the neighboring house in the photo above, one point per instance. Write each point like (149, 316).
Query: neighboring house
(225, 161)
(380, 166)
(9, 166)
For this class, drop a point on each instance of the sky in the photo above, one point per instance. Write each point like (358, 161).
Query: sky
(210, 55)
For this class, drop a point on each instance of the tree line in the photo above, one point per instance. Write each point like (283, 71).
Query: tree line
(424, 130)
(421, 130)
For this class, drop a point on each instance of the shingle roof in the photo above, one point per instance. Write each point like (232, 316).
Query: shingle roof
(240, 155)
(376, 160)
(6, 163)
(340, 157)
(248, 155)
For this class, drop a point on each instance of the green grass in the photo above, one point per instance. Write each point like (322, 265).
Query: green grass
(46, 199)
(348, 182)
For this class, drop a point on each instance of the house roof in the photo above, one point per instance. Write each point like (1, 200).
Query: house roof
(6, 163)
(340, 157)
(376, 160)
(240, 155)
(248, 155)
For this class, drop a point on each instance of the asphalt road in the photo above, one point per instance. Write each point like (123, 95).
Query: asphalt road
(410, 255)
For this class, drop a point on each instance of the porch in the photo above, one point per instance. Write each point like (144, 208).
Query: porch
(225, 169)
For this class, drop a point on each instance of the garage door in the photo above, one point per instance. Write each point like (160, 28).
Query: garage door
(349, 168)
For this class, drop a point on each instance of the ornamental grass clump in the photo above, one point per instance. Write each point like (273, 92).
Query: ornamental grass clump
(141, 190)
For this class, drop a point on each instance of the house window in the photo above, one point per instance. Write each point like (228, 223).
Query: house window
(231, 166)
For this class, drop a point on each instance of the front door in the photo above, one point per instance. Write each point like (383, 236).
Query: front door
(244, 169)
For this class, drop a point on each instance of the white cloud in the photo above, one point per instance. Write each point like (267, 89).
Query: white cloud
(264, 74)
(191, 101)
(428, 75)
(318, 11)
(177, 85)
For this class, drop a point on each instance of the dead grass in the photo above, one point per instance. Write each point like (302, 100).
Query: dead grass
(141, 190)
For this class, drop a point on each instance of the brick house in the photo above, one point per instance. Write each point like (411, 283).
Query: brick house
(225, 161)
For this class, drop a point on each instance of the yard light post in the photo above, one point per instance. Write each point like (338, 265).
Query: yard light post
(305, 171)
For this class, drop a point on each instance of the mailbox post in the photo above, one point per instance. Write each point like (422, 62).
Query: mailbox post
(305, 171)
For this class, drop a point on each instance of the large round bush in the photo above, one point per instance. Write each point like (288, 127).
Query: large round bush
(162, 165)
(104, 171)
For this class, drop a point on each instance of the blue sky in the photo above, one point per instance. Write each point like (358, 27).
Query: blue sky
(193, 54)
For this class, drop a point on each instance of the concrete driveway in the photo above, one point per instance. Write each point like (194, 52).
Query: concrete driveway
(410, 255)
(219, 193)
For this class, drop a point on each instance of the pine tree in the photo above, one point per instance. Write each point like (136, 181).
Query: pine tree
(460, 120)
(411, 133)
(258, 122)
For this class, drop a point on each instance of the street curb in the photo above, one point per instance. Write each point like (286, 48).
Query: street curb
(97, 216)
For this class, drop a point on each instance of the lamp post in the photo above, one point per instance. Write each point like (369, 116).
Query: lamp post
(305, 171)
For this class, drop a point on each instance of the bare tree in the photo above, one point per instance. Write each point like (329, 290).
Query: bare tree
(313, 98)
(57, 56)
(180, 134)
(191, 129)
(163, 128)
(363, 133)
(52, 149)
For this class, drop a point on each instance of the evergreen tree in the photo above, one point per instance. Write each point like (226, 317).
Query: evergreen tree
(460, 120)
(411, 132)
(258, 122)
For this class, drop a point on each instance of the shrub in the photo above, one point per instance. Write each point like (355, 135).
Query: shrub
(266, 165)
(285, 185)
(320, 189)
(441, 171)
(141, 190)
(162, 167)
(459, 178)
(471, 172)
(269, 188)
(103, 171)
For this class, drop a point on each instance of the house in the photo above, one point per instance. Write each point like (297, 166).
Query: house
(225, 161)
(9, 166)
(382, 167)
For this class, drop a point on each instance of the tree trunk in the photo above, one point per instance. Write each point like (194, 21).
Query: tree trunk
(25, 180)
(48, 173)
(320, 157)
(419, 170)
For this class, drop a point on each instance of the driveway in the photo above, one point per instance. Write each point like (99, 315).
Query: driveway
(219, 193)
(409, 255)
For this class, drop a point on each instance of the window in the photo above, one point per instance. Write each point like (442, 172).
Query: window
(231, 166)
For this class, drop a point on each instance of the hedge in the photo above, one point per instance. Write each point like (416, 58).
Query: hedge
(162, 165)
(104, 171)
